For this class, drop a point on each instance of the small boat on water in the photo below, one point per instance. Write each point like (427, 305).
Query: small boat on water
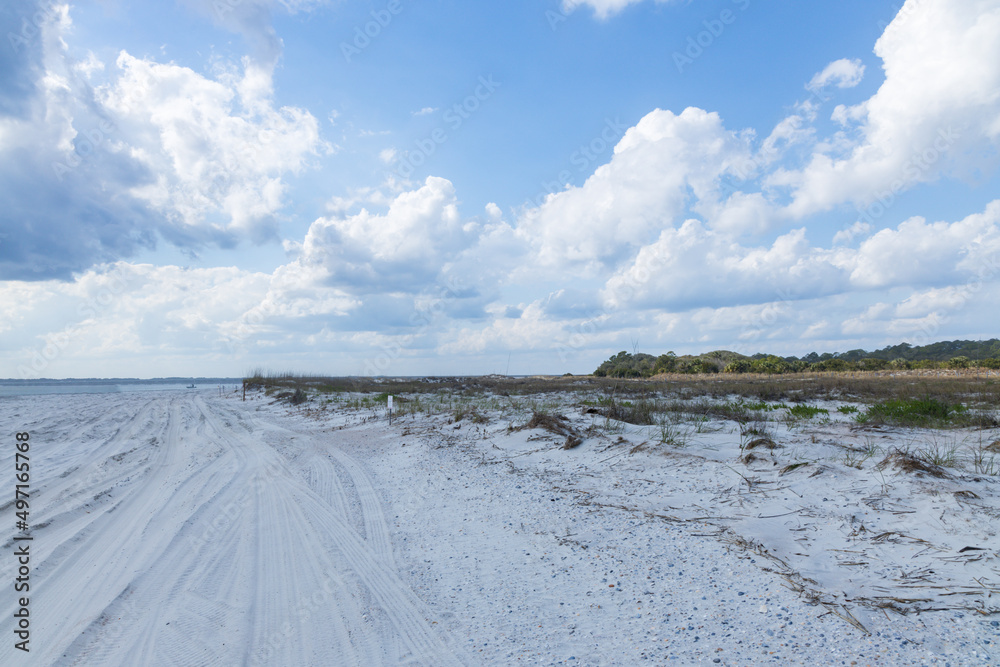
(191, 386)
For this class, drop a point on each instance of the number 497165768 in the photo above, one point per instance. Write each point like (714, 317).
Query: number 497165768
(23, 476)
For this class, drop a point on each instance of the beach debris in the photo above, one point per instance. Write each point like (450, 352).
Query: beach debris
(557, 424)
(908, 462)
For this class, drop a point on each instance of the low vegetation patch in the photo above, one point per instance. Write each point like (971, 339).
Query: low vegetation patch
(557, 424)
(911, 463)
(296, 397)
(470, 412)
(806, 411)
(912, 412)
(641, 412)
(760, 442)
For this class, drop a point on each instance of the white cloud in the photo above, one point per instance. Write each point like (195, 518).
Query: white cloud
(676, 237)
(940, 99)
(842, 73)
(65, 191)
(401, 250)
(693, 287)
(218, 148)
(848, 116)
(847, 235)
(127, 310)
(92, 174)
(741, 213)
(602, 8)
(693, 266)
(791, 131)
(525, 332)
(643, 189)
(918, 253)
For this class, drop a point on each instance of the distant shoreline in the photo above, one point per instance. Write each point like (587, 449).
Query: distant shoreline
(164, 380)
(15, 388)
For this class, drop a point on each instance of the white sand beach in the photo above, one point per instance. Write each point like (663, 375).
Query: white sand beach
(181, 528)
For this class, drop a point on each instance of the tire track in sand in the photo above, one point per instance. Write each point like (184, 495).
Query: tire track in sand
(216, 558)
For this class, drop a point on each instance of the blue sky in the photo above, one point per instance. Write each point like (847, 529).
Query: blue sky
(437, 187)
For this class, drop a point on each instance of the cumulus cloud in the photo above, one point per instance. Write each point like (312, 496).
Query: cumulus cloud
(917, 253)
(65, 195)
(693, 286)
(847, 235)
(645, 187)
(400, 250)
(793, 130)
(693, 266)
(216, 146)
(842, 73)
(414, 269)
(415, 262)
(678, 236)
(392, 267)
(94, 172)
(940, 100)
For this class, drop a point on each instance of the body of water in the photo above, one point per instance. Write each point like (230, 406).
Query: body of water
(35, 387)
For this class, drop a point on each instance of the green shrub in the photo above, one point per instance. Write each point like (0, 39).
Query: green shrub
(804, 411)
(625, 365)
(770, 364)
(739, 366)
(911, 412)
(665, 363)
(958, 362)
(641, 412)
(832, 365)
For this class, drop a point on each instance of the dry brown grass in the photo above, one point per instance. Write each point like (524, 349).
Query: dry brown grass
(909, 462)
(557, 424)
(761, 442)
(980, 389)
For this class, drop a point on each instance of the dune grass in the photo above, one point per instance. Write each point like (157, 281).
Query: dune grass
(908, 399)
(916, 412)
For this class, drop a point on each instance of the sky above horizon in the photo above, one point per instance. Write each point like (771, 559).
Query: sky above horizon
(409, 188)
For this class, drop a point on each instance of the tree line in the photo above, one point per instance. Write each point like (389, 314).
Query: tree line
(956, 354)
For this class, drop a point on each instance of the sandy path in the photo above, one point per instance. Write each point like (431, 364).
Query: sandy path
(171, 530)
